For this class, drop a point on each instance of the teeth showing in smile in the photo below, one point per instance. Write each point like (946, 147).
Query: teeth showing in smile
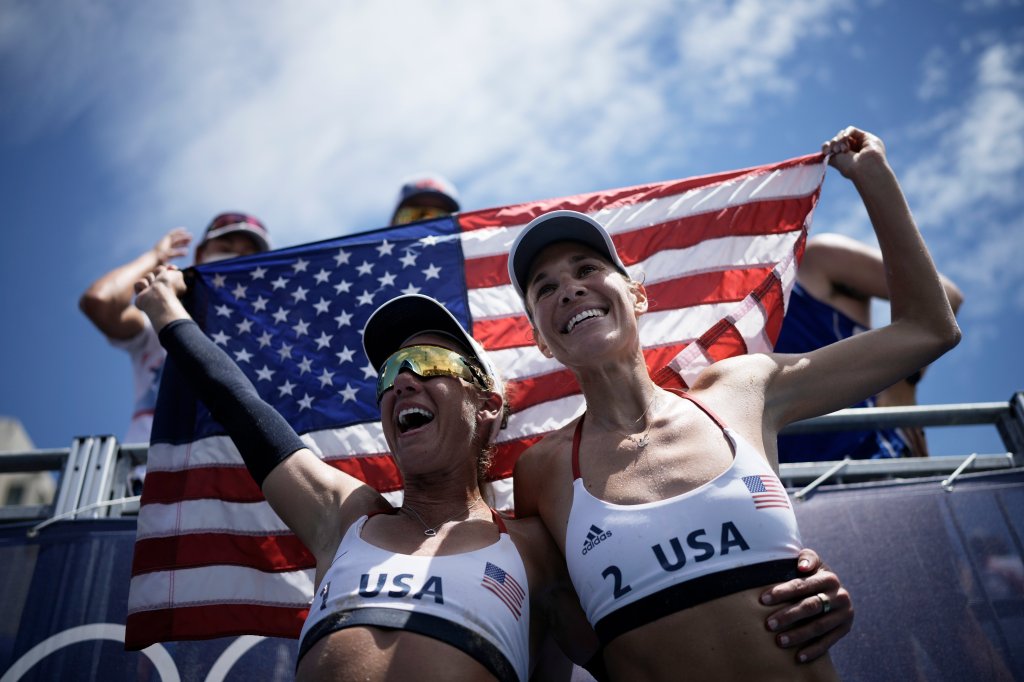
(579, 317)
(413, 418)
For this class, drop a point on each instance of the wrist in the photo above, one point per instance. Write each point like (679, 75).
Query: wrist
(869, 167)
(872, 177)
(162, 306)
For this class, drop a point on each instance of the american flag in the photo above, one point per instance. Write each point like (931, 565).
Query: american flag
(767, 492)
(505, 587)
(717, 253)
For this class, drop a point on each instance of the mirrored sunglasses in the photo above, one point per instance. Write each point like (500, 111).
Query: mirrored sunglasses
(427, 362)
(412, 214)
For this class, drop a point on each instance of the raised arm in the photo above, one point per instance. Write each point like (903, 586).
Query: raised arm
(317, 501)
(847, 274)
(923, 326)
(108, 301)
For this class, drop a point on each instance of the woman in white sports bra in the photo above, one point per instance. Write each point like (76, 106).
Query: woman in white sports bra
(666, 503)
(441, 588)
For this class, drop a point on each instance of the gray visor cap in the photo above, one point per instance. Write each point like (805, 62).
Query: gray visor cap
(557, 226)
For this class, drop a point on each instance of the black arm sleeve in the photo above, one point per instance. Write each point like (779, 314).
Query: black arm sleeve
(262, 436)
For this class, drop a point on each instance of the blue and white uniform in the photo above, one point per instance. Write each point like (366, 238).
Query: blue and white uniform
(633, 564)
(477, 601)
(811, 324)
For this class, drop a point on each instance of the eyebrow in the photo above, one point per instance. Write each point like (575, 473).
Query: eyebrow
(572, 260)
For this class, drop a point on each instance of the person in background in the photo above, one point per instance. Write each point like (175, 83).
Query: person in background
(108, 302)
(831, 301)
(423, 197)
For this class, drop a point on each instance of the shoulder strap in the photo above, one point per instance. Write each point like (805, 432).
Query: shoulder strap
(704, 408)
(498, 521)
(576, 437)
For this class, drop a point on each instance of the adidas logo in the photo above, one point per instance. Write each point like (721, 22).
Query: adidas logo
(595, 536)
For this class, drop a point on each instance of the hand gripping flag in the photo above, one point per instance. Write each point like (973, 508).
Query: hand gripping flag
(717, 254)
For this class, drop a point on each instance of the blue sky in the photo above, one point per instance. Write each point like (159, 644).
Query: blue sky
(120, 120)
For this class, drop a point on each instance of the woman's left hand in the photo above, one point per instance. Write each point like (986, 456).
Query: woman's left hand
(818, 611)
(157, 294)
(853, 149)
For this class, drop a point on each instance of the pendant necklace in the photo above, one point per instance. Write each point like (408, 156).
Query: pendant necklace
(431, 532)
(641, 440)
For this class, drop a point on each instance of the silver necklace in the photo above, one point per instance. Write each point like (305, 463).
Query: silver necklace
(431, 532)
(641, 440)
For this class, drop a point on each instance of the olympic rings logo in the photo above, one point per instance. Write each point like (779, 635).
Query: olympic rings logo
(156, 653)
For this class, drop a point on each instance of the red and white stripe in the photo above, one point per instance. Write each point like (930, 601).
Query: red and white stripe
(774, 495)
(717, 255)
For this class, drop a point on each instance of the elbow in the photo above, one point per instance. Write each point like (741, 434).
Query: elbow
(99, 308)
(936, 330)
(953, 336)
(956, 298)
(91, 305)
(946, 337)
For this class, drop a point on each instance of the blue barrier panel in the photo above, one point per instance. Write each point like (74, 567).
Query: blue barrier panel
(65, 597)
(937, 580)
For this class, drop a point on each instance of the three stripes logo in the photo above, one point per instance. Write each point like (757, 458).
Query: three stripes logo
(595, 536)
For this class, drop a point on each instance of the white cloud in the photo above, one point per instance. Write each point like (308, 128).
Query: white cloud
(967, 188)
(977, 163)
(45, 60)
(993, 265)
(310, 119)
(935, 75)
(735, 52)
(962, 170)
(989, 5)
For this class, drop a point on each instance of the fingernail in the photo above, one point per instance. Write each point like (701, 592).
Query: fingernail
(783, 640)
(802, 658)
(766, 599)
(804, 564)
(773, 624)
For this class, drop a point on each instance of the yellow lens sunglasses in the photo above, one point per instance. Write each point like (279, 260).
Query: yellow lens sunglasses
(427, 362)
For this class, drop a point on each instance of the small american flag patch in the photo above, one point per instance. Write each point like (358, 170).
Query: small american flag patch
(505, 587)
(766, 491)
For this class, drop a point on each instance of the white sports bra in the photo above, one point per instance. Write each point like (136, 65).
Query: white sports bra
(477, 601)
(633, 564)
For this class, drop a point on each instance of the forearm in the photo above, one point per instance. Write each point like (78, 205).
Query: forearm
(262, 436)
(114, 289)
(915, 289)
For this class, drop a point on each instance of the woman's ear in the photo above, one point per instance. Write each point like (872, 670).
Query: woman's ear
(494, 403)
(492, 411)
(639, 295)
(539, 340)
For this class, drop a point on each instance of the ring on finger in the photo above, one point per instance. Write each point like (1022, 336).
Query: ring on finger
(826, 603)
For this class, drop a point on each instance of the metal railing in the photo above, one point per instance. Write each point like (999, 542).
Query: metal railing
(1008, 418)
(95, 470)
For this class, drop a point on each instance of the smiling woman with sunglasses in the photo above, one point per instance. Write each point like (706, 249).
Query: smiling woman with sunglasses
(441, 588)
